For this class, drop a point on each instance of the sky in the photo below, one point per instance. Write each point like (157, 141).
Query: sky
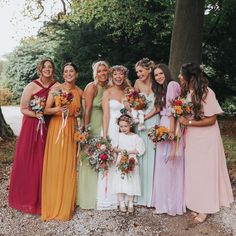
(15, 26)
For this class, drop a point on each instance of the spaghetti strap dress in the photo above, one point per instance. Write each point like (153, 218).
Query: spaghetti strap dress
(26, 175)
(88, 178)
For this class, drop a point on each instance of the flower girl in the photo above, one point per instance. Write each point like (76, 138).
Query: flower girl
(126, 180)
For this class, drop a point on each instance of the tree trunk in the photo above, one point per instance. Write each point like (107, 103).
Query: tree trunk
(186, 40)
(5, 129)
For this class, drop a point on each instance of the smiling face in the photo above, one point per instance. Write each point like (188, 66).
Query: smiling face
(159, 76)
(118, 77)
(102, 74)
(47, 70)
(124, 127)
(142, 73)
(69, 74)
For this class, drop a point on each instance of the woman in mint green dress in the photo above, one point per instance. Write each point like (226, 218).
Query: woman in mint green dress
(88, 178)
(144, 85)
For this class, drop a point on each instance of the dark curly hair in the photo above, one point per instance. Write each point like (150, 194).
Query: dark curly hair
(160, 89)
(193, 73)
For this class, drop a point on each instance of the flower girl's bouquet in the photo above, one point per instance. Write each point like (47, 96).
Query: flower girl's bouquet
(99, 154)
(137, 102)
(37, 105)
(63, 98)
(126, 163)
(158, 133)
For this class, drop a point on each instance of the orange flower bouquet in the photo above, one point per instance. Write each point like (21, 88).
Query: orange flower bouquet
(126, 164)
(181, 107)
(82, 134)
(158, 133)
(63, 98)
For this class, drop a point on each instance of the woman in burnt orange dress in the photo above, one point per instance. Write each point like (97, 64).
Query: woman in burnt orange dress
(59, 168)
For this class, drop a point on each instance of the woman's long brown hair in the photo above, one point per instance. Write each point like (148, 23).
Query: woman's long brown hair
(192, 73)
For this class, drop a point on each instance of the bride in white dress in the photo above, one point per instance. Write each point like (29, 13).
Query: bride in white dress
(112, 103)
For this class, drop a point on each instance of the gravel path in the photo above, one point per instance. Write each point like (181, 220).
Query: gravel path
(88, 222)
(93, 222)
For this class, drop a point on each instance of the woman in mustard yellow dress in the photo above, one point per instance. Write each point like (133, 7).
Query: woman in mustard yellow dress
(59, 168)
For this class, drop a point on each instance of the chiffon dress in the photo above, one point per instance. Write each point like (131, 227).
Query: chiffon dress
(129, 184)
(88, 178)
(105, 199)
(26, 175)
(146, 162)
(168, 183)
(59, 167)
(207, 180)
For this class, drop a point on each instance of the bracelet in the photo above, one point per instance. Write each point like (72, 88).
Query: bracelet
(190, 122)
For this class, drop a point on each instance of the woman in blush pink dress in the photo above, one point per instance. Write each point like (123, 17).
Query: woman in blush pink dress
(207, 181)
(168, 179)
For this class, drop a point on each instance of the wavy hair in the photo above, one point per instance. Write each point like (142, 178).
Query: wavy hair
(194, 75)
(40, 65)
(126, 83)
(160, 89)
(146, 63)
(95, 67)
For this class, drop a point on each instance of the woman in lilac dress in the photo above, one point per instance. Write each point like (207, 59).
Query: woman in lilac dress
(168, 182)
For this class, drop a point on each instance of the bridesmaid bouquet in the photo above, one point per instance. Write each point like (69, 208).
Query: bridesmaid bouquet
(63, 98)
(37, 105)
(99, 154)
(82, 134)
(137, 102)
(181, 107)
(126, 164)
(158, 133)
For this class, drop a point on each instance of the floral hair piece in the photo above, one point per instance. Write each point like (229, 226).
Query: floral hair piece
(120, 68)
(125, 117)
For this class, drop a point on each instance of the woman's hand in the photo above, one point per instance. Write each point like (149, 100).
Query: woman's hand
(183, 120)
(78, 112)
(171, 135)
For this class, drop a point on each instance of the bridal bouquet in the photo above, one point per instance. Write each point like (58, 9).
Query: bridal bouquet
(137, 102)
(126, 164)
(37, 105)
(158, 133)
(99, 154)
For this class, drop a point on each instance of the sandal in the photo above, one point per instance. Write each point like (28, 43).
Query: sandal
(200, 218)
(194, 214)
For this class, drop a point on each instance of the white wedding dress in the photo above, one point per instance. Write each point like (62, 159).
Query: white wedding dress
(105, 199)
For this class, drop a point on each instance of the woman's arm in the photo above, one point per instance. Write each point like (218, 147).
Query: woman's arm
(88, 95)
(206, 121)
(25, 100)
(152, 113)
(49, 109)
(106, 113)
(136, 86)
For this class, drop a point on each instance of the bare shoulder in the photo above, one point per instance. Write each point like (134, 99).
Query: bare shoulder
(137, 84)
(79, 90)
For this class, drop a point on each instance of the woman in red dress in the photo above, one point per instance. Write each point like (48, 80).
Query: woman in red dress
(26, 176)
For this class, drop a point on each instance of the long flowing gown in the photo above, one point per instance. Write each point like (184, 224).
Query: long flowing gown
(59, 167)
(88, 178)
(130, 184)
(168, 182)
(105, 199)
(26, 175)
(146, 162)
(207, 181)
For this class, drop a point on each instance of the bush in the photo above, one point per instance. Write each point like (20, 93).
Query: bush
(5, 96)
(229, 106)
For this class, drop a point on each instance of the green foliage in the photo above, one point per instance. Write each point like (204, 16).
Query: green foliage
(218, 47)
(229, 105)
